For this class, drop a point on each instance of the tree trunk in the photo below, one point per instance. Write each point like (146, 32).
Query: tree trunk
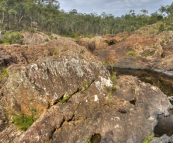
(20, 19)
(3, 18)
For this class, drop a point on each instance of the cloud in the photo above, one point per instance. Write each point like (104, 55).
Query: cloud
(115, 7)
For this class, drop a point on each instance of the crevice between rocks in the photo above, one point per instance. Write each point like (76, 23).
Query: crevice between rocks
(95, 138)
(64, 99)
(54, 130)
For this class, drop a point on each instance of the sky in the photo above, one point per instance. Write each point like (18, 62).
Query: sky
(114, 7)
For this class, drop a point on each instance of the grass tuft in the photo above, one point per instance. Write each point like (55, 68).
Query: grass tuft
(23, 122)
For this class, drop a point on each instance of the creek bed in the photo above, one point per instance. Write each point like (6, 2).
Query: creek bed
(157, 78)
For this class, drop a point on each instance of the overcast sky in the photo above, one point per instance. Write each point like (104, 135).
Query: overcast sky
(115, 7)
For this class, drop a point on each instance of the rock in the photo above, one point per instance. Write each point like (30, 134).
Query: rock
(165, 64)
(34, 38)
(95, 43)
(101, 42)
(5, 58)
(162, 139)
(42, 84)
(25, 54)
(96, 113)
(19, 56)
(147, 50)
(72, 94)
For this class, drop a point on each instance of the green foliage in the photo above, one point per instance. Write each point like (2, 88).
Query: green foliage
(32, 30)
(74, 35)
(154, 47)
(112, 63)
(113, 77)
(3, 75)
(131, 53)
(146, 54)
(65, 98)
(148, 139)
(85, 84)
(133, 88)
(125, 37)
(23, 122)
(161, 27)
(46, 40)
(12, 38)
(114, 87)
(151, 31)
(55, 53)
(4, 72)
(17, 15)
(104, 63)
(109, 96)
(87, 140)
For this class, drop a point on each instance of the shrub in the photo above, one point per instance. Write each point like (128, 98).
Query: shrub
(161, 27)
(55, 53)
(85, 84)
(32, 30)
(114, 87)
(131, 53)
(154, 47)
(3, 75)
(12, 38)
(113, 77)
(23, 122)
(64, 98)
(146, 54)
(109, 96)
(46, 40)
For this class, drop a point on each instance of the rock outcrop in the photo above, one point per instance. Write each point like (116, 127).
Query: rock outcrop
(135, 50)
(73, 96)
(162, 139)
(26, 54)
(100, 42)
(93, 111)
(96, 114)
(41, 84)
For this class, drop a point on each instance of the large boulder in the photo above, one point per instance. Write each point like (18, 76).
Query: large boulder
(26, 54)
(99, 116)
(42, 84)
(71, 93)
(94, 111)
(131, 50)
(100, 42)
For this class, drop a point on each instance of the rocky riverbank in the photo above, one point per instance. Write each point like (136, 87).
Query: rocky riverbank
(72, 98)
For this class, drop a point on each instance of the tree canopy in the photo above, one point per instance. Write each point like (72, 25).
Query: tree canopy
(46, 15)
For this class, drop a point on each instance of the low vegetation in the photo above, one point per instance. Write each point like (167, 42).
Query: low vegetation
(3, 75)
(55, 53)
(131, 53)
(85, 84)
(113, 77)
(65, 98)
(23, 122)
(148, 140)
(11, 38)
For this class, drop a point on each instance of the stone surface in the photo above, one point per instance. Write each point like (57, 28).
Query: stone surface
(42, 76)
(149, 50)
(42, 84)
(27, 54)
(95, 111)
(163, 139)
(100, 42)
